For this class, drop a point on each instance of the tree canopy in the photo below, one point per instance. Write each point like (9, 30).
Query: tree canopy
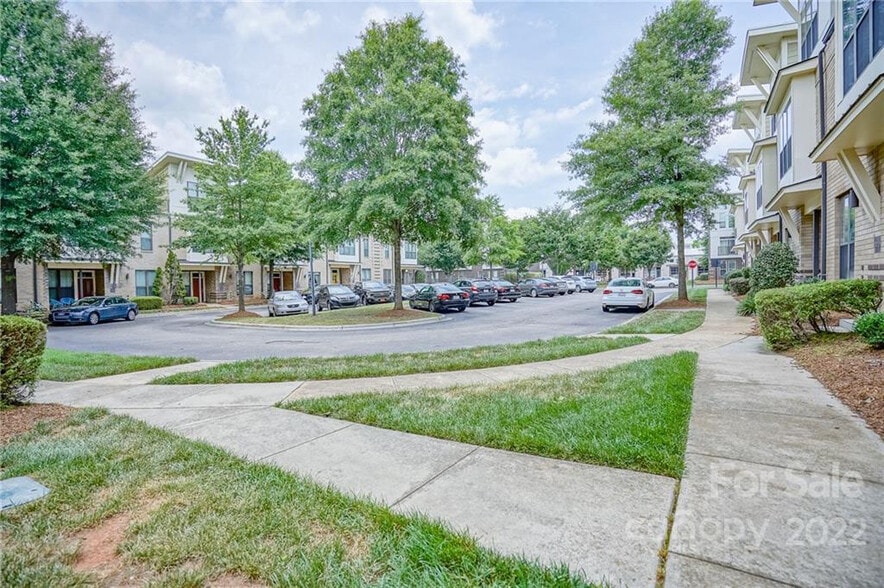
(73, 150)
(246, 204)
(444, 256)
(667, 99)
(390, 151)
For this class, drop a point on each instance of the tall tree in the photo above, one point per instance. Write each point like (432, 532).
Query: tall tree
(551, 236)
(246, 194)
(499, 240)
(444, 256)
(646, 247)
(390, 151)
(668, 100)
(73, 150)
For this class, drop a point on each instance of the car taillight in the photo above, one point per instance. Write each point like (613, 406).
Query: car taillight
(608, 292)
(465, 296)
(444, 297)
(637, 291)
(474, 289)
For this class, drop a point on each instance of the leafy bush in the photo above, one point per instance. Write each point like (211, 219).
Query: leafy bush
(420, 276)
(747, 306)
(23, 342)
(870, 327)
(190, 300)
(703, 277)
(148, 302)
(158, 285)
(784, 314)
(739, 286)
(774, 267)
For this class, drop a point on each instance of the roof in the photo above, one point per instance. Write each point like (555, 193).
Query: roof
(752, 65)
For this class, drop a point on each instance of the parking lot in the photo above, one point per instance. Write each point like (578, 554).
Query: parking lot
(191, 333)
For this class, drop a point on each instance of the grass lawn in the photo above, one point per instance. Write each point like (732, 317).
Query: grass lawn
(135, 505)
(276, 369)
(361, 315)
(660, 322)
(698, 294)
(633, 416)
(66, 366)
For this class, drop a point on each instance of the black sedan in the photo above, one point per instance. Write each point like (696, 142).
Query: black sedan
(506, 290)
(335, 296)
(535, 287)
(479, 291)
(95, 309)
(373, 292)
(440, 297)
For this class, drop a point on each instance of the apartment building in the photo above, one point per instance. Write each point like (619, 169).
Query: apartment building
(723, 257)
(818, 174)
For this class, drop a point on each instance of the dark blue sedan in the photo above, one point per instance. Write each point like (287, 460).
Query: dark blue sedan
(95, 309)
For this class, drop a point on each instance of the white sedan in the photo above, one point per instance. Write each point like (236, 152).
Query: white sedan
(287, 302)
(662, 282)
(627, 293)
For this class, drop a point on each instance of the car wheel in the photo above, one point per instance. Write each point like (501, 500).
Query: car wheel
(94, 318)
(533, 293)
(411, 304)
(491, 302)
(432, 306)
(130, 316)
(461, 309)
(605, 308)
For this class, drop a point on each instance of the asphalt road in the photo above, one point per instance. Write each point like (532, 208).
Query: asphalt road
(191, 334)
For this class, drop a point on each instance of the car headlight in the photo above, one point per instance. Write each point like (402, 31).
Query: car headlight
(334, 299)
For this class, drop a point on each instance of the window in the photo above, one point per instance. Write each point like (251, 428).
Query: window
(725, 220)
(248, 283)
(147, 241)
(144, 282)
(314, 279)
(849, 203)
(759, 173)
(809, 27)
(784, 139)
(366, 250)
(725, 246)
(388, 276)
(347, 248)
(61, 284)
(386, 252)
(193, 190)
(862, 31)
(410, 251)
(366, 274)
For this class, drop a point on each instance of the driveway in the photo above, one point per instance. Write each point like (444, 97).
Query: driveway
(191, 334)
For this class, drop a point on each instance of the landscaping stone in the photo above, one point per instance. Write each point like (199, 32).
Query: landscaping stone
(20, 490)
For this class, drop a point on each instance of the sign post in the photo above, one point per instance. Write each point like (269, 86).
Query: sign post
(693, 265)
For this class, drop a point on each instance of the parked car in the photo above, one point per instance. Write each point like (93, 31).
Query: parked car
(408, 291)
(287, 302)
(95, 309)
(569, 282)
(479, 291)
(334, 296)
(440, 297)
(585, 284)
(627, 293)
(373, 292)
(561, 284)
(535, 287)
(506, 290)
(662, 282)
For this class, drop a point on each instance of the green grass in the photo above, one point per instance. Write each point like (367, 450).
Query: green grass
(633, 416)
(66, 366)
(199, 513)
(276, 369)
(698, 294)
(361, 315)
(660, 322)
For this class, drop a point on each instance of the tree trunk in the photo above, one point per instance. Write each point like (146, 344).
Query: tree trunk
(682, 270)
(241, 286)
(9, 288)
(397, 268)
(270, 279)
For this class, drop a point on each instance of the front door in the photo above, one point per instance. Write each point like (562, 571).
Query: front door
(336, 276)
(196, 286)
(86, 283)
(277, 281)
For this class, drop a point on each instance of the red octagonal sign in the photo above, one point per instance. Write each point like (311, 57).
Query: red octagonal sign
(692, 264)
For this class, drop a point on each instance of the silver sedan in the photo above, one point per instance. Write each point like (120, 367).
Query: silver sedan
(287, 302)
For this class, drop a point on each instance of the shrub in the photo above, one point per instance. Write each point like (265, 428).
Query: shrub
(774, 267)
(158, 285)
(190, 300)
(703, 277)
(148, 302)
(870, 327)
(420, 276)
(784, 314)
(22, 350)
(739, 286)
(747, 306)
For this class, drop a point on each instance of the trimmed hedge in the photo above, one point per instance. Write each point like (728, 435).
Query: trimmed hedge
(784, 314)
(703, 277)
(190, 300)
(21, 352)
(870, 327)
(774, 267)
(739, 286)
(148, 302)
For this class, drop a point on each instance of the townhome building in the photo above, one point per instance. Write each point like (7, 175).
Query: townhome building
(723, 257)
(827, 114)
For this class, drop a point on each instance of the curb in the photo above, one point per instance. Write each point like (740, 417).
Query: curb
(331, 328)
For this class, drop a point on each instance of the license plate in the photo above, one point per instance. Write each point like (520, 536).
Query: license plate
(621, 294)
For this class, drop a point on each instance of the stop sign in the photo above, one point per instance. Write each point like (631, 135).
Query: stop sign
(692, 264)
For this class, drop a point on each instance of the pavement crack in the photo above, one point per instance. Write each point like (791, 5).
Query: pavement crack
(664, 549)
(735, 569)
(296, 445)
(435, 477)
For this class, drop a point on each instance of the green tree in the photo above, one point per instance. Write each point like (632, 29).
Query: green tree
(246, 200)
(173, 287)
(159, 284)
(668, 100)
(444, 256)
(646, 247)
(73, 150)
(499, 241)
(552, 236)
(390, 151)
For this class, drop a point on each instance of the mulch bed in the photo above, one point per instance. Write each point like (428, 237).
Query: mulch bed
(239, 315)
(675, 303)
(852, 370)
(18, 420)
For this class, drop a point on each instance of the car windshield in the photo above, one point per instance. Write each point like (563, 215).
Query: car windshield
(373, 285)
(287, 296)
(90, 301)
(338, 290)
(626, 283)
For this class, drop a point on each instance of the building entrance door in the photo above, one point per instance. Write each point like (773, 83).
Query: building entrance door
(196, 286)
(336, 276)
(86, 283)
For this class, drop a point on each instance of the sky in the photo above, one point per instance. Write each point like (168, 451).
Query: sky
(535, 70)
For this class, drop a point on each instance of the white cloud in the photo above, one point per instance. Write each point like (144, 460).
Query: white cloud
(538, 120)
(520, 212)
(496, 134)
(482, 92)
(375, 13)
(273, 22)
(519, 167)
(459, 25)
